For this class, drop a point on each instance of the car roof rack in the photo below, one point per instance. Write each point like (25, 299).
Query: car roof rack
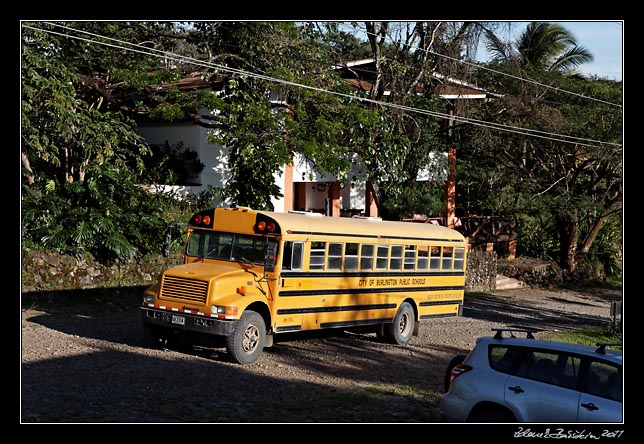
(516, 329)
(601, 346)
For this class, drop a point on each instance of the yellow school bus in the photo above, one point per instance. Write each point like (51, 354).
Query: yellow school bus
(250, 275)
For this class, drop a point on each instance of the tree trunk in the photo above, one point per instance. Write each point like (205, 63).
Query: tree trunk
(568, 231)
(27, 166)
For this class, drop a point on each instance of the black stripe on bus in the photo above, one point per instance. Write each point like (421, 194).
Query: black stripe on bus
(288, 328)
(375, 236)
(288, 293)
(441, 315)
(286, 311)
(433, 303)
(294, 328)
(353, 323)
(339, 274)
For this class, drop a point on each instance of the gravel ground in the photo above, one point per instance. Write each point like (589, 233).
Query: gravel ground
(87, 364)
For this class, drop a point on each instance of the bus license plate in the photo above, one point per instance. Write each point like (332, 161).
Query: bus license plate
(180, 320)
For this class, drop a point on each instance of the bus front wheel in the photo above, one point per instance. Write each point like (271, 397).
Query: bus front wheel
(401, 330)
(247, 340)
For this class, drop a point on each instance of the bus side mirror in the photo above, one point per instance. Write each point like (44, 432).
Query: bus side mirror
(168, 242)
(269, 259)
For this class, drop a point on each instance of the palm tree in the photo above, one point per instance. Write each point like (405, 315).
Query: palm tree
(542, 47)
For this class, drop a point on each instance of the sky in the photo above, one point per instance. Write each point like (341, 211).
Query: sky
(604, 39)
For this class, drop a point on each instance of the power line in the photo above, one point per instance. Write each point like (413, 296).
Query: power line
(522, 79)
(168, 55)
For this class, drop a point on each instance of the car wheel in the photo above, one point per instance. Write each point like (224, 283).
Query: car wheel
(456, 360)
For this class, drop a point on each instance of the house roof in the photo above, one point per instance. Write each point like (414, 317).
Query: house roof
(357, 74)
(450, 88)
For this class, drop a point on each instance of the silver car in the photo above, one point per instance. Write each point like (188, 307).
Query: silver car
(510, 379)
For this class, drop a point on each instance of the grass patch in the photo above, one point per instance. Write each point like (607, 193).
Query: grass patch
(590, 335)
(379, 403)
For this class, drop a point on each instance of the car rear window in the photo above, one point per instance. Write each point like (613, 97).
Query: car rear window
(504, 359)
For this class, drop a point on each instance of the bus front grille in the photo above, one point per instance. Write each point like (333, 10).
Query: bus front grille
(184, 289)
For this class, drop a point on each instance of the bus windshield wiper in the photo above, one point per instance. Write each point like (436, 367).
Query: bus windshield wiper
(209, 253)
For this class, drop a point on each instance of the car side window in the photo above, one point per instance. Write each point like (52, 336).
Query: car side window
(604, 380)
(543, 368)
(568, 370)
(554, 368)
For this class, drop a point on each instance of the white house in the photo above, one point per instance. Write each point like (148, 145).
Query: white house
(303, 188)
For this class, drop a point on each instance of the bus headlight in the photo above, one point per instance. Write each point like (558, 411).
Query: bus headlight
(220, 310)
(148, 299)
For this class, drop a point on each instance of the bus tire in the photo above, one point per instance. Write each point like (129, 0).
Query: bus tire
(246, 341)
(401, 330)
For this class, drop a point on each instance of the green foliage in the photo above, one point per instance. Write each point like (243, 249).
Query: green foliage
(537, 238)
(605, 255)
(114, 221)
(563, 189)
(171, 165)
(416, 198)
(588, 336)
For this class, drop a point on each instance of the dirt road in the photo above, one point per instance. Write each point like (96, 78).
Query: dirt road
(87, 364)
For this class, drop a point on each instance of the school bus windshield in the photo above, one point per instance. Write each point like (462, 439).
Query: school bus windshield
(208, 244)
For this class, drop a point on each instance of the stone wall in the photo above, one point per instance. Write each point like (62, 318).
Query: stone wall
(532, 272)
(481, 271)
(51, 272)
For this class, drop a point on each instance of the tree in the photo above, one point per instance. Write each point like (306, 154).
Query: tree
(263, 117)
(569, 166)
(540, 47)
(80, 157)
(411, 58)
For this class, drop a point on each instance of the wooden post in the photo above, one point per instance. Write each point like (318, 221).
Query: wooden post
(334, 199)
(288, 188)
(370, 207)
(450, 183)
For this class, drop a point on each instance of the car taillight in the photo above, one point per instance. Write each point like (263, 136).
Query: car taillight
(459, 370)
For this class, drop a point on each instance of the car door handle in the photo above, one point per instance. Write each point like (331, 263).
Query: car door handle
(516, 389)
(590, 406)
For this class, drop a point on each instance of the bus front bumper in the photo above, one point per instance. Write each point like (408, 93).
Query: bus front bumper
(186, 322)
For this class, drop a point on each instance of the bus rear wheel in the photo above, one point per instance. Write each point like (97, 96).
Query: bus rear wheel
(401, 330)
(246, 341)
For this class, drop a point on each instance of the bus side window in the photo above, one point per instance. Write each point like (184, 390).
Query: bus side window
(410, 257)
(316, 256)
(382, 257)
(292, 256)
(366, 257)
(459, 255)
(351, 256)
(423, 259)
(448, 254)
(334, 261)
(395, 262)
(435, 258)
(298, 251)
